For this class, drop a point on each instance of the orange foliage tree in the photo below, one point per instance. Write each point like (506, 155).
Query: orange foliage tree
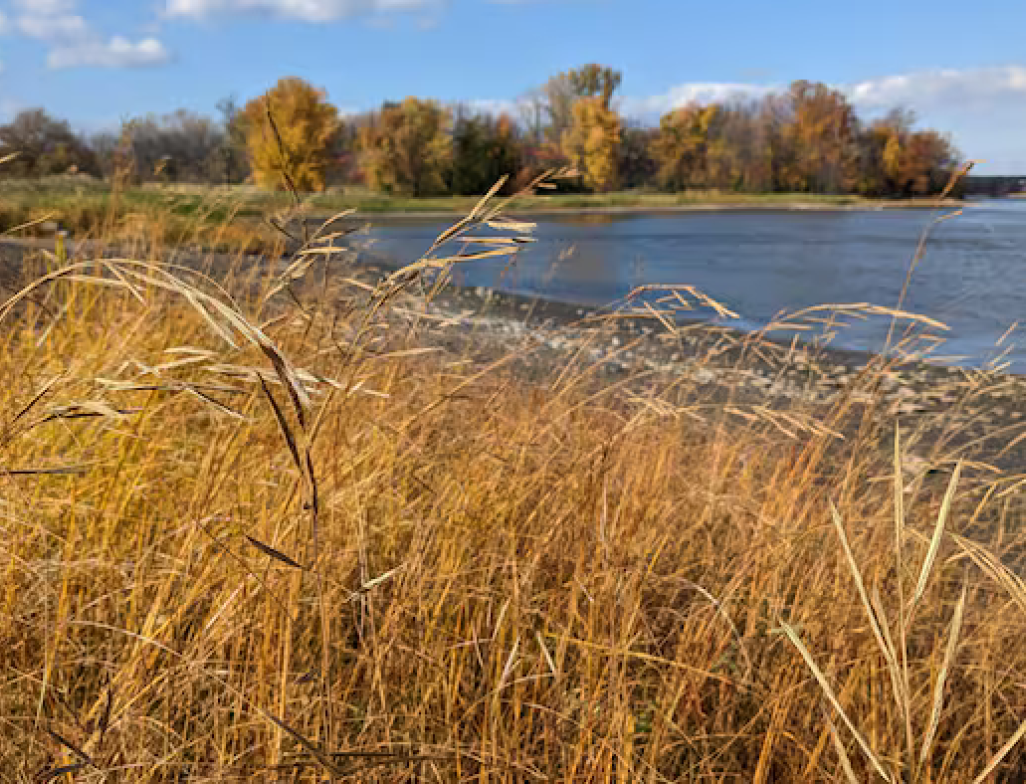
(822, 136)
(911, 162)
(290, 131)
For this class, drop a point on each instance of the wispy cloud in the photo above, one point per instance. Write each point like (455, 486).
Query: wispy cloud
(943, 87)
(118, 52)
(46, 7)
(921, 90)
(493, 106)
(692, 92)
(303, 10)
(73, 42)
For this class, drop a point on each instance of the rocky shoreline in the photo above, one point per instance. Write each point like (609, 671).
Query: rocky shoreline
(945, 413)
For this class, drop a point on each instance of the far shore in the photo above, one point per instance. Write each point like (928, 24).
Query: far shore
(80, 206)
(642, 208)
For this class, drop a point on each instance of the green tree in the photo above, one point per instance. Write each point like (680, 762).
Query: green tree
(407, 148)
(484, 149)
(637, 165)
(290, 135)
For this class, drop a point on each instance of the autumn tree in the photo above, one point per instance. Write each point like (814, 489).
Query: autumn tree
(290, 134)
(484, 149)
(587, 128)
(898, 160)
(821, 138)
(407, 148)
(44, 145)
(682, 147)
(564, 89)
(592, 142)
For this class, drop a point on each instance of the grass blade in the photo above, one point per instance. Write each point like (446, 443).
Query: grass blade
(828, 691)
(938, 533)
(1001, 754)
(842, 753)
(269, 551)
(954, 630)
(875, 623)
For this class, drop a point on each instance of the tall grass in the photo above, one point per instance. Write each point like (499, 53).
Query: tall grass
(264, 529)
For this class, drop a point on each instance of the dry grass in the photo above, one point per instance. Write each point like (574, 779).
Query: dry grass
(270, 539)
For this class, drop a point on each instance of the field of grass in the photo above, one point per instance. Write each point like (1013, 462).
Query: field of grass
(256, 537)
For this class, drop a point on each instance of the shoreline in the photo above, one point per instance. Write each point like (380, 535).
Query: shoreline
(945, 411)
(640, 210)
(554, 313)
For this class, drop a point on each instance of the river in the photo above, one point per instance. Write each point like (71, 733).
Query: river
(972, 277)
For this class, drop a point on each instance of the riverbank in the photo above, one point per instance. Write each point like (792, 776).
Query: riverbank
(399, 213)
(84, 205)
(946, 413)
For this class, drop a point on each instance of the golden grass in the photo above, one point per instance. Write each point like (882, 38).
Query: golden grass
(270, 538)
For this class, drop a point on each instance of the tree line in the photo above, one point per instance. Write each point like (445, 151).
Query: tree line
(807, 139)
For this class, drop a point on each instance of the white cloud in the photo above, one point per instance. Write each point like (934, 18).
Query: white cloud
(4, 24)
(942, 87)
(45, 7)
(65, 27)
(921, 90)
(304, 10)
(73, 41)
(118, 52)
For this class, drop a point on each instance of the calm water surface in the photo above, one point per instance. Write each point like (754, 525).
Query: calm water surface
(972, 278)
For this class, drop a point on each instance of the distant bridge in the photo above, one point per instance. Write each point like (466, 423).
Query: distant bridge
(994, 185)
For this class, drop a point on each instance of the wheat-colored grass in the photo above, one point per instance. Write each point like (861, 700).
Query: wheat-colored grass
(256, 533)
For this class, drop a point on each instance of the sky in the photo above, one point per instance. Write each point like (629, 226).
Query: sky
(961, 67)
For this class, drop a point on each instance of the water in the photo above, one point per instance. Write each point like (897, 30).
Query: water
(972, 278)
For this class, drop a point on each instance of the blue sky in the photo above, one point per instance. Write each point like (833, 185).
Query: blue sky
(961, 67)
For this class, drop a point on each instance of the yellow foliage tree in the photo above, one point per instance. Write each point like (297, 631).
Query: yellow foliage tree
(407, 148)
(592, 142)
(290, 131)
(687, 150)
